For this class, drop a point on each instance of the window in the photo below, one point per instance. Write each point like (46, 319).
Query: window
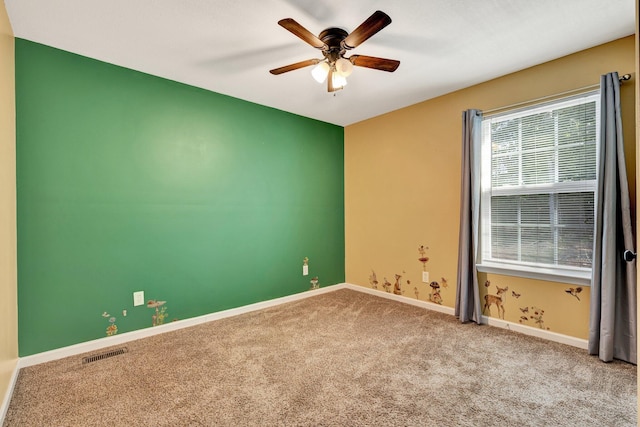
(538, 183)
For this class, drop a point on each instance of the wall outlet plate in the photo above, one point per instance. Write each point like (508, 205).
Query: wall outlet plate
(138, 298)
(425, 277)
(305, 270)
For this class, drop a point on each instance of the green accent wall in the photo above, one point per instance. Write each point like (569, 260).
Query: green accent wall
(130, 182)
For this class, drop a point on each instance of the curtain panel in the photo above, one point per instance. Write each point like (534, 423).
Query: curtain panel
(467, 304)
(612, 323)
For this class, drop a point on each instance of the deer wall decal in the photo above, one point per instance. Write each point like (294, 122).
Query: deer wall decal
(497, 300)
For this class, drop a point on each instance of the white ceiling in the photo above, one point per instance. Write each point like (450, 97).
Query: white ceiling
(228, 46)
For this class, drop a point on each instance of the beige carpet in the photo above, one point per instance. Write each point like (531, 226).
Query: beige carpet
(343, 358)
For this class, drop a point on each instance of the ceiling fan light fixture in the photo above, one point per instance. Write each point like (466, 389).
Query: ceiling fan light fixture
(344, 67)
(320, 72)
(339, 81)
(334, 42)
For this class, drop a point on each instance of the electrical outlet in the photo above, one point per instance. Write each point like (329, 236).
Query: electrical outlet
(425, 277)
(138, 298)
(305, 270)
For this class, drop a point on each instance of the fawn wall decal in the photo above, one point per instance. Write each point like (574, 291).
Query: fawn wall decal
(497, 300)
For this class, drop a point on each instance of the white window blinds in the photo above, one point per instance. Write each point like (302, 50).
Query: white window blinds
(538, 181)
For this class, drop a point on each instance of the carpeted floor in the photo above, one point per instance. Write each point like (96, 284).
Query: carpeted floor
(343, 358)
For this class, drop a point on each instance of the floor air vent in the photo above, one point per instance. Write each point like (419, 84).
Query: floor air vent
(105, 355)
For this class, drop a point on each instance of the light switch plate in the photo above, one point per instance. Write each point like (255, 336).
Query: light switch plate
(305, 270)
(425, 277)
(138, 298)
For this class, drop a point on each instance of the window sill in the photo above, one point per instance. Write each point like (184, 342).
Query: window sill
(563, 275)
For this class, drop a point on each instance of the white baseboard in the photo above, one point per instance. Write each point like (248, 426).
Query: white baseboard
(114, 340)
(401, 298)
(4, 407)
(491, 321)
(536, 332)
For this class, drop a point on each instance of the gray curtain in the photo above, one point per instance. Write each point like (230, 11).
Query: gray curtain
(467, 292)
(612, 325)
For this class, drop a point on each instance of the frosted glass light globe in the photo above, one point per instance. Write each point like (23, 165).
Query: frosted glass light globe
(320, 72)
(344, 67)
(338, 80)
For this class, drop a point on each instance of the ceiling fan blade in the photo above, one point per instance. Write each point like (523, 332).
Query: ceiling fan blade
(383, 64)
(372, 25)
(297, 29)
(295, 66)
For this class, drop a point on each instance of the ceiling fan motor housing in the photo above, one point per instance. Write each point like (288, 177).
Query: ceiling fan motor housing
(333, 38)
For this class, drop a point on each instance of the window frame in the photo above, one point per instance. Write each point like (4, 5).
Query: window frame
(549, 272)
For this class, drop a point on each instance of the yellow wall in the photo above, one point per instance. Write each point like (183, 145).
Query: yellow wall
(8, 285)
(402, 181)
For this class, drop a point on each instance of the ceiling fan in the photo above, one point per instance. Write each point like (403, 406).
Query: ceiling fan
(334, 43)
